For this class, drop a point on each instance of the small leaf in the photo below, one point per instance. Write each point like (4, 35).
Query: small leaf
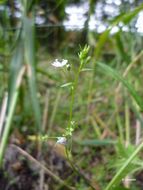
(97, 142)
(86, 69)
(66, 85)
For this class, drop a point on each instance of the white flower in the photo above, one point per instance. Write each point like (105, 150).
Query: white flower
(61, 140)
(58, 63)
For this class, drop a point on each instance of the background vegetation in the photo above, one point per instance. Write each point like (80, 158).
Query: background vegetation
(94, 102)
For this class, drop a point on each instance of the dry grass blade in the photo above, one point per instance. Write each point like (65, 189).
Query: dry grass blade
(10, 113)
(32, 159)
(3, 112)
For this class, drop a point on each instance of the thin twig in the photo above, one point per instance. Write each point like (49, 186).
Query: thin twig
(138, 132)
(32, 159)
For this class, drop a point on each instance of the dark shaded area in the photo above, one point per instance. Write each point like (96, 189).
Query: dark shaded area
(21, 174)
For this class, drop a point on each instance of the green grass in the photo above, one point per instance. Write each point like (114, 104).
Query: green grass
(97, 104)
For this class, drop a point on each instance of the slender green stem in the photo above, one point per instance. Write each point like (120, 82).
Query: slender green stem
(120, 129)
(84, 58)
(119, 123)
(76, 170)
(73, 90)
(54, 111)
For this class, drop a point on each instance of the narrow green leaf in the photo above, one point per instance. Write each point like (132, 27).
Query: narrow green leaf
(15, 66)
(28, 26)
(122, 172)
(112, 72)
(102, 39)
(128, 17)
(66, 85)
(86, 69)
(125, 18)
(96, 142)
(121, 49)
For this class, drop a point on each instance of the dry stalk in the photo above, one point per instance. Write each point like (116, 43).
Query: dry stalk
(32, 159)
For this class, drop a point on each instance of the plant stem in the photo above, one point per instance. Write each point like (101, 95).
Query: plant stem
(73, 90)
(76, 170)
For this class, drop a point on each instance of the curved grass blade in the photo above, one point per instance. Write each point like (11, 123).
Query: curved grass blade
(112, 72)
(122, 171)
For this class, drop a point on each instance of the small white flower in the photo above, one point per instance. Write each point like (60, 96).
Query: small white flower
(58, 63)
(61, 140)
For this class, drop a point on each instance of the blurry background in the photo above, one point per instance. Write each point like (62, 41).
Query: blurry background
(109, 121)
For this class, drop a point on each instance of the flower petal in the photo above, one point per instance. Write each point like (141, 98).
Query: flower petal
(62, 140)
(57, 63)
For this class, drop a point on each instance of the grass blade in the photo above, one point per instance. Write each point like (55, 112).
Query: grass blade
(10, 113)
(122, 171)
(30, 60)
(112, 72)
(15, 66)
(125, 18)
(97, 142)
